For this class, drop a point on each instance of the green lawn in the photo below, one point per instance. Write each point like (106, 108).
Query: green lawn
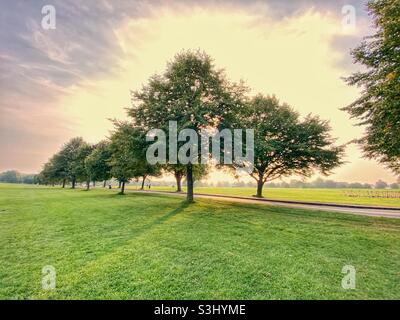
(143, 246)
(318, 195)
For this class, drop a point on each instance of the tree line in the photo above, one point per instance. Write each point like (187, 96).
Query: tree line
(197, 95)
(13, 176)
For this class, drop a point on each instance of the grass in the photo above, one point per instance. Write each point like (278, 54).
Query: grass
(314, 195)
(143, 246)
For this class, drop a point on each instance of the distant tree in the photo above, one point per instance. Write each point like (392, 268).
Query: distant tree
(98, 162)
(78, 166)
(191, 92)
(10, 176)
(356, 185)
(394, 186)
(48, 175)
(284, 144)
(59, 164)
(379, 106)
(71, 159)
(28, 178)
(381, 184)
(297, 184)
(342, 185)
(128, 154)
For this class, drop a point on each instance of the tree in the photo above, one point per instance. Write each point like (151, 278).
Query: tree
(49, 174)
(394, 186)
(72, 159)
(10, 176)
(98, 162)
(191, 92)
(60, 168)
(381, 184)
(28, 178)
(179, 171)
(128, 154)
(285, 145)
(78, 166)
(379, 106)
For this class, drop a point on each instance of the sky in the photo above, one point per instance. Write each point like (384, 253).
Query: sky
(69, 81)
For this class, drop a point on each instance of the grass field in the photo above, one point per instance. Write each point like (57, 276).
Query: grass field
(143, 246)
(315, 195)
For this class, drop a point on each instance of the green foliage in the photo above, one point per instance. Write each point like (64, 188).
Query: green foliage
(67, 164)
(55, 170)
(128, 153)
(97, 162)
(286, 145)
(75, 153)
(379, 106)
(191, 92)
(11, 176)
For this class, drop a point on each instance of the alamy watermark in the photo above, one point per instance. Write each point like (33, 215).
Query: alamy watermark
(349, 280)
(49, 278)
(349, 19)
(49, 17)
(188, 152)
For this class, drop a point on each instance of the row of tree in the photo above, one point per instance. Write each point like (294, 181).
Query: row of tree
(198, 96)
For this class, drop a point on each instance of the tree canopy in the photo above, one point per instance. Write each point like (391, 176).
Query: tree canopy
(284, 144)
(378, 108)
(97, 162)
(128, 154)
(192, 92)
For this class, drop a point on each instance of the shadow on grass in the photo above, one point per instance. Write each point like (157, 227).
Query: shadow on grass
(115, 254)
(182, 206)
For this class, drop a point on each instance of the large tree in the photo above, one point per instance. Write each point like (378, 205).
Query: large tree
(378, 108)
(191, 92)
(285, 144)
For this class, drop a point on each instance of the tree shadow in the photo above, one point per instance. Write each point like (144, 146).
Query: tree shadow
(116, 253)
(182, 206)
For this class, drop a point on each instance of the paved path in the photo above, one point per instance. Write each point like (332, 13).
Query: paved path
(351, 209)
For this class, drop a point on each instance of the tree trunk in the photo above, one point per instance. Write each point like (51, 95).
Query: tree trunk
(119, 184)
(178, 178)
(144, 179)
(260, 184)
(94, 183)
(104, 184)
(73, 183)
(88, 185)
(122, 187)
(189, 178)
(63, 183)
